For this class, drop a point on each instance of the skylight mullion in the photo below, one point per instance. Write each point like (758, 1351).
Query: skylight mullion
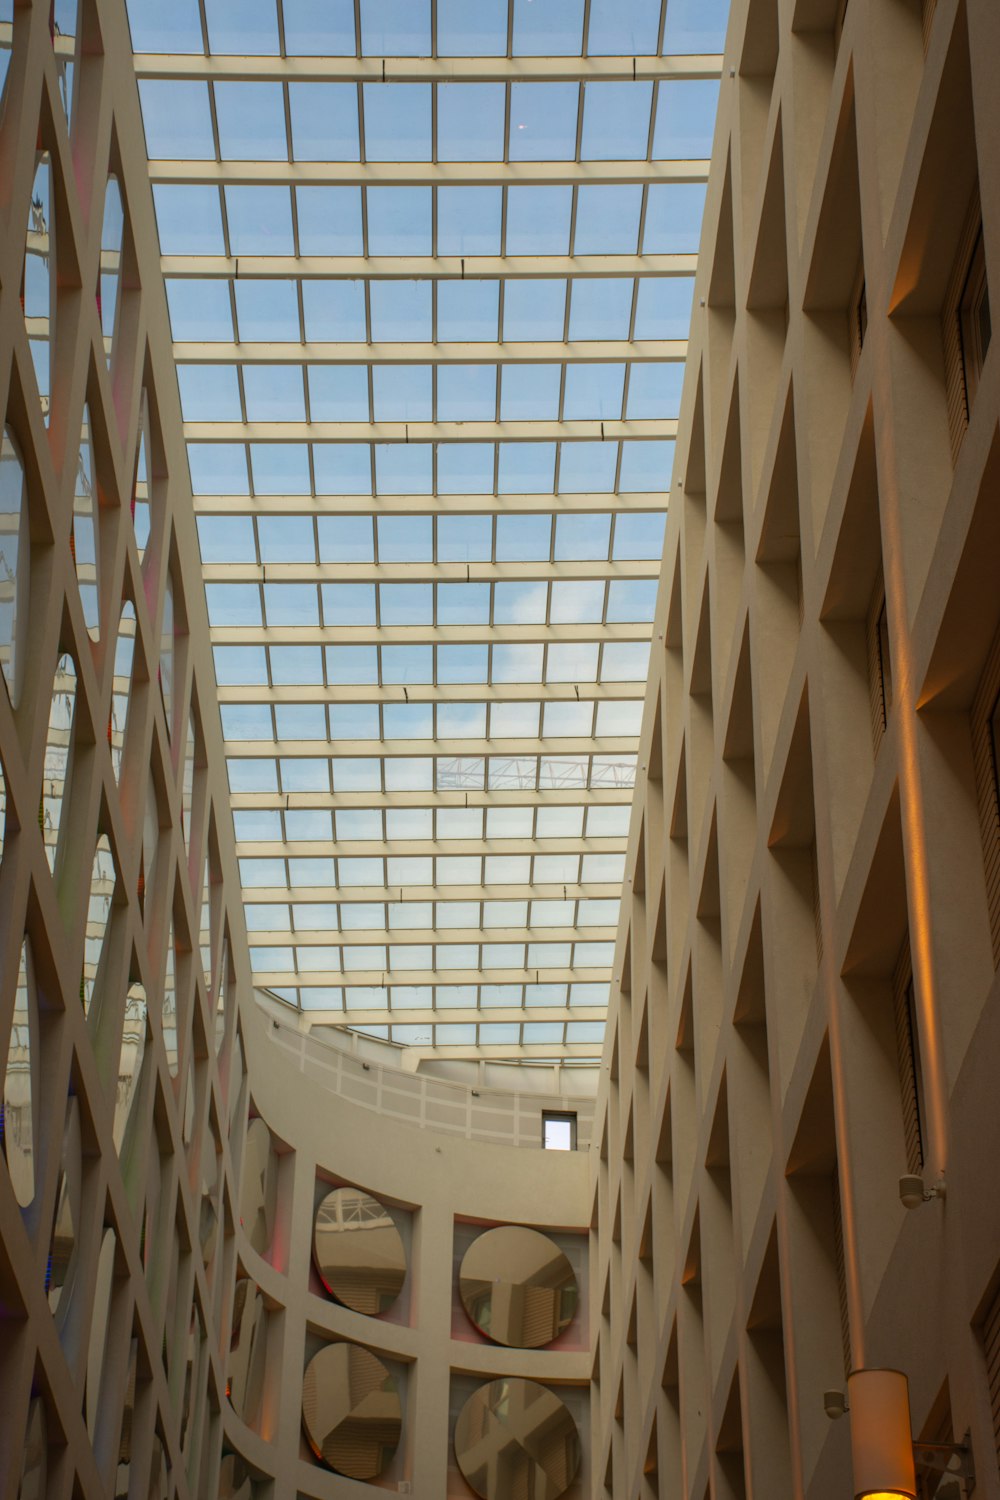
(506, 118)
(203, 22)
(362, 148)
(288, 152)
(510, 28)
(585, 42)
(660, 28)
(624, 406)
(280, 11)
(654, 101)
(581, 99)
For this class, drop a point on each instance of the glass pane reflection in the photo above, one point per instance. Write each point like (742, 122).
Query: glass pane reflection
(358, 1250)
(351, 1411)
(518, 1287)
(515, 1437)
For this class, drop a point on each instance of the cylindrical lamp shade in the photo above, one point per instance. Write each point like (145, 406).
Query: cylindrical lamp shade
(881, 1440)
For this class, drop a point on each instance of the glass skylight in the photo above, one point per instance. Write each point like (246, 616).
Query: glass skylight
(429, 274)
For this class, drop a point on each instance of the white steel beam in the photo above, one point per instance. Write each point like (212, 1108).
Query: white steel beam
(417, 432)
(591, 351)
(426, 173)
(426, 69)
(424, 267)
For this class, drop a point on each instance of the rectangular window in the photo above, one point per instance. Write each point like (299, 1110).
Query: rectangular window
(559, 1130)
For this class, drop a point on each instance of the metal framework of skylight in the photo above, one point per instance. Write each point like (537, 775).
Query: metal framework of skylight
(429, 267)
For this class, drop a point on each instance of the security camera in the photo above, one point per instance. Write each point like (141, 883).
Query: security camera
(834, 1404)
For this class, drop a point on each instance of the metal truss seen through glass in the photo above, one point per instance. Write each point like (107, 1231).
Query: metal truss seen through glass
(429, 272)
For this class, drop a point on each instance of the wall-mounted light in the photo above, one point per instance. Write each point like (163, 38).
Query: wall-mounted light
(914, 1192)
(881, 1443)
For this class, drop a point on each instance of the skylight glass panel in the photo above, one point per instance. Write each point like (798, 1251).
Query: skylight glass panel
(280, 468)
(300, 721)
(267, 311)
(534, 310)
(514, 721)
(543, 121)
(397, 120)
(468, 311)
(351, 665)
(401, 311)
(218, 469)
(342, 468)
(399, 220)
(310, 826)
(465, 538)
(251, 120)
(458, 664)
(550, 29)
(319, 28)
(582, 537)
(252, 775)
(349, 604)
(405, 539)
(464, 30)
(607, 219)
(243, 27)
(577, 601)
(695, 26)
(526, 468)
(259, 219)
(396, 28)
(236, 666)
(465, 468)
(620, 717)
(227, 539)
(632, 599)
(469, 220)
(355, 721)
(177, 119)
(625, 661)
(461, 721)
(402, 393)
(200, 310)
(685, 119)
(274, 393)
(463, 604)
(663, 307)
(403, 468)
(406, 604)
(233, 604)
(639, 536)
(338, 393)
(645, 467)
(673, 218)
(209, 393)
(159, 28)
(291, 604)
(593, 392)
(250, 721)
(257, 825)
(516, 663)
(623, 28)
(654, 390)
(571, 661)
(346, 539)
(520, 603)
(333, 312)
(286, 539)
(466, 393)
(530, 392)
(188, 219)
(559, 822)
(601, 307)
(567, 721)
(587, 468)
(296, 666)
(539, 219)
(526, 538)
(615, 121)
(324, 121)
(470, 121)
(329, 220)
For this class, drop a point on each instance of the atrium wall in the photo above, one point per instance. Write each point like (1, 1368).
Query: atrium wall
(164, 1158)
(807, 965)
